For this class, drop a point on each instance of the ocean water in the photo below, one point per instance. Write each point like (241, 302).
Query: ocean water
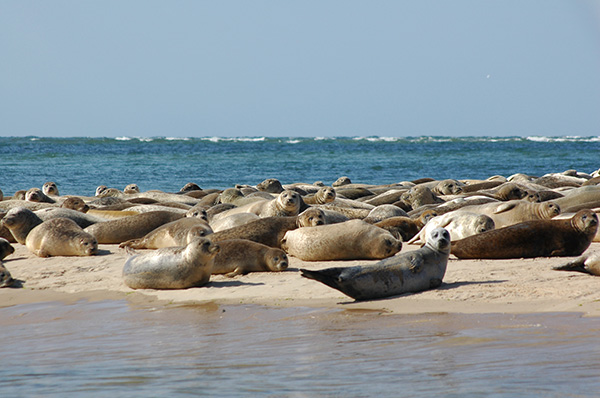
(79, 165)
(117, 349)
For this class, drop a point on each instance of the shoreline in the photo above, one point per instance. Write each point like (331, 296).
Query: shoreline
(515, 286)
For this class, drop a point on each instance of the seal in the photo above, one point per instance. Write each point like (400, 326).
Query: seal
(178, 267)
(459, 225)
(588, 263)
(36, 195)
(409, 272)
(270, 230)
(271, 185)
(529, 239)
(234, 220)
(286, 204)
(82, 219)
(349, 240)
(50, 188)
(123, 229)
(60, 237)
(6, 279)
(175, 233)
(6, 249)
(75, 203)
(515, 211)
(131, 189)
(20, 221)
(322, 196)
(241, 256)
(381, 212)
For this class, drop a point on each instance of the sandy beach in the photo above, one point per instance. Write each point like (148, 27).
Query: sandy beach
(470, 286)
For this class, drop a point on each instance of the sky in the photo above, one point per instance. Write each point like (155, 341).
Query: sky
(397, 68)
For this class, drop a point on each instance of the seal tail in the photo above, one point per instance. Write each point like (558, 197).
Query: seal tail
(331, 278)
(575, 265)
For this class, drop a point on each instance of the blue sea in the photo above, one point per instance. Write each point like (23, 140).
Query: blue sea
(79, 165)
(121, 349)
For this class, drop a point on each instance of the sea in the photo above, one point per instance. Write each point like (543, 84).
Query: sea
(119, 348)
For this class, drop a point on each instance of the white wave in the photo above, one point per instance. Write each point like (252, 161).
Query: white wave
(123, 138)
(323, 138)
(177, 138)
(250, 139)
(293, 141)
(145, 139)
(537, 138)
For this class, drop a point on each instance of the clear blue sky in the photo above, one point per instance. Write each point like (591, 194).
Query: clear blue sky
(299, 68)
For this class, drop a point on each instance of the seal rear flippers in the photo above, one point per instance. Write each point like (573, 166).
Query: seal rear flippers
(575, 265)
(331, 278)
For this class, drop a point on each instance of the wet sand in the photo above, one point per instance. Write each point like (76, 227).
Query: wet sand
(470, 286)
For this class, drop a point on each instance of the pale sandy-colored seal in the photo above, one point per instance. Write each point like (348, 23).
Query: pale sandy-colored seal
(6, 280)
(234, 220)
(515, 211)
(60, 237)
(20, 221)
(131, 189)
(538, 238)
(178, 267)
(588, 263)
(131, 227)
(50, 188)
(36, 195)
(270, 230)
(175, 233)
(286, 204)
(459, 225)
(82, 219)
(409, 272)
(350, 240)
(241, 256)
(6, 248)
(381, 212)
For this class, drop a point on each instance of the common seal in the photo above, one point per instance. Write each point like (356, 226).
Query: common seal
(322, 196)
(131, 227)
(286, 204)
(75, 203)
(50, 188)
(131, 189)
(20, 221)
(6, 279)
(175, 233)
(538, 238)
(232, 221)
(82, 219)
(271, 185)
(459, 225)
(341, 181)
(270, 230)
(409, 272)
(515, 211)
(6, 248)
(178, 267)
(60, 237)
(241, 256)
(381, 212)
(350, 240)
(36, 195)
(588, 263)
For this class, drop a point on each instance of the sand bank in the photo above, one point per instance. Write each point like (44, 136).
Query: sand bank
(470, 286)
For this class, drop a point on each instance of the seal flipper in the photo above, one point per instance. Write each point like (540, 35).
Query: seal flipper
(332, 278)
(577, 265)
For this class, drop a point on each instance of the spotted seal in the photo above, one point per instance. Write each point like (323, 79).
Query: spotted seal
(241, 256)
(408, 272)
(60, 237)
(178, 267)
(538, 238)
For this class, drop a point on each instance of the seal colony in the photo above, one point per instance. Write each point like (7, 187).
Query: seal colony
(273, 226)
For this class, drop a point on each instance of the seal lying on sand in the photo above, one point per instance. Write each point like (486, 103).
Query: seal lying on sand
(179, 267)
(131, 227)
(60, 237)
(175, 233)
(6, 279)
(350, 240)
(6, 248)
(409, 272)
(241, 256)
(20, 221)
(459, 225)
(270, 230)
(538, 238)
(588, 263)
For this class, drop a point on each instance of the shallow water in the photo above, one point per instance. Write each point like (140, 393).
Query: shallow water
(120, 349)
